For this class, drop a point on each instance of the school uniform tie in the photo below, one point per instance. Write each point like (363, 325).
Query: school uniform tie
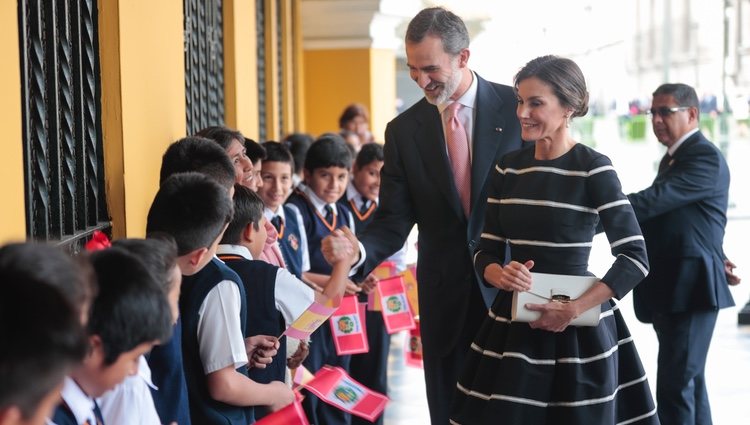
(329, 214)
(365, 206)
(458, 154)
(277, 221)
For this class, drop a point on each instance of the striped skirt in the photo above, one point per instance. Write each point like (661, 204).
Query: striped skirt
(585, 375)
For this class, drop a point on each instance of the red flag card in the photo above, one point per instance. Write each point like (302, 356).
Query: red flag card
(309, 321)
(335, 387)
(410, 284)
(385, 270)
(289, 415)
(347, 327)
(413, 348)
(396, 312)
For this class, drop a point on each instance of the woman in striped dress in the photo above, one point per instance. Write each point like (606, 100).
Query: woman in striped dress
(545, 203)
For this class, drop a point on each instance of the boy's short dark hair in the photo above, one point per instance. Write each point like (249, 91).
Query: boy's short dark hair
(298, 144)
(191, 208)
(200, 155)
(131, 308)
(248, 208)
(254, 151)
(277, 152)
(221, 135)
(329, 150)
(50, 264)
(158, 253)
(369, 153)
(42, 341)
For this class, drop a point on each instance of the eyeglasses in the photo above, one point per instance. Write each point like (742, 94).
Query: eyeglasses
(666, 111)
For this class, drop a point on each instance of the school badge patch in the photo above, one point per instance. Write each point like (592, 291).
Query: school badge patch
(293, 242)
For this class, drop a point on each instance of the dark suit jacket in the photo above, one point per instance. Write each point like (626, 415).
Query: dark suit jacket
(682, 216)
(417, 187)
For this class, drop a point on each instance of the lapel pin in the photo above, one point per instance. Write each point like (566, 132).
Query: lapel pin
(499, 129)
(671, 161)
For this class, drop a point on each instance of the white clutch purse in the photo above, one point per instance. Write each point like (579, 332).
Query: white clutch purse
(548, 287)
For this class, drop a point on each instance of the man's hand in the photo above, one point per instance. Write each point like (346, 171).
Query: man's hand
(337, 247)
(732, 278)
(260, 350)
(369, 284)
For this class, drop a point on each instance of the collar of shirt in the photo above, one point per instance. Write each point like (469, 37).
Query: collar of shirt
(672, 149)
(79, 403)
(145, 372)
(235, 250)
(270, 214)
(353, 193)
(318, 203)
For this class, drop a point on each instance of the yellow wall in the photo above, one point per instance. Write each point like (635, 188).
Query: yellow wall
(383, 88)
(143, 92)
(335, 78)
(240, 67)
(12, 214)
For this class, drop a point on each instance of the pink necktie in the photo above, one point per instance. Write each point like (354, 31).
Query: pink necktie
(458, 154)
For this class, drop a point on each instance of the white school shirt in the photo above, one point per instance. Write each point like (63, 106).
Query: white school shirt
(302, 234)
(291, 295)
(130, 402)
(79, 403)
(220, 340)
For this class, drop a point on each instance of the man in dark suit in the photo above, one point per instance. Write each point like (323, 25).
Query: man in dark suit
(682, 216)
(418, 187)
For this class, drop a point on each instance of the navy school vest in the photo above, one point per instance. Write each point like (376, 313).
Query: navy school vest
(259, 280)
(195, 288)
(289, 242)
(167, 374)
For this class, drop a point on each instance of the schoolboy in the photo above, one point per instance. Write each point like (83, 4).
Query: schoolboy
(128, 317)
(257, 154)
(189, 154)
(42, 340)
(40, 261)
(326, 175)
(371, 368)
(195, 210)
(131, 403)
(276, 173)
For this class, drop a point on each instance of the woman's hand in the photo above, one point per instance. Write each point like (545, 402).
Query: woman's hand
(556, 316)
(513, 277)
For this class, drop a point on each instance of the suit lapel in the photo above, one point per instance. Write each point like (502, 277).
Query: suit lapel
(684, 147)
(431, 144)
(487, 137)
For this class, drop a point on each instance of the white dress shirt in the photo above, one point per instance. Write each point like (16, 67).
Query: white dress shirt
(130, 402)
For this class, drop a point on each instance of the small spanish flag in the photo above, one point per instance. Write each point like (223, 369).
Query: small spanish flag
(310, 320)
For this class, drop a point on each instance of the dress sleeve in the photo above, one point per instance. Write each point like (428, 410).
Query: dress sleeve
(619, 222)
(492, 242)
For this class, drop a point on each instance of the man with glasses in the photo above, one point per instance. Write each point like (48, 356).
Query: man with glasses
(682, 216)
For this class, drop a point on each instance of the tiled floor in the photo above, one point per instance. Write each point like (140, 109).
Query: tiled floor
(728, 367)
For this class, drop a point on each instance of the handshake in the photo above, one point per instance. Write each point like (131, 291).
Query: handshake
(341, 246)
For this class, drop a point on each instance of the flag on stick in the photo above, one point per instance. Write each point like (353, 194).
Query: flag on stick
(292, 414)
(413, 347)
(309, 320)
(410, 284)
(396, 312)
(335, 387)
(348, 329)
